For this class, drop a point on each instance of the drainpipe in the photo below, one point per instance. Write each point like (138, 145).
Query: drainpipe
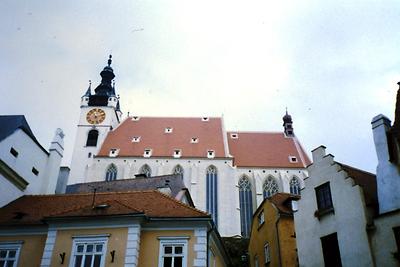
(277, 239)
(208, 236)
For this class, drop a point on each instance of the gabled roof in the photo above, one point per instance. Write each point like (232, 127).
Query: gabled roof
(32, 210)
(152, 133)
(10, 123)
(281, 202)
(174, 182)
(368, 183)
(266, 149)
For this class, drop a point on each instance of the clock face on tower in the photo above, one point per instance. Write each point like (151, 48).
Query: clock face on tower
(95, 116)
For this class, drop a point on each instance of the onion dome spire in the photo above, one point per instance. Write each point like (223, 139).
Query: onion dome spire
(107, 75)
(287, 124)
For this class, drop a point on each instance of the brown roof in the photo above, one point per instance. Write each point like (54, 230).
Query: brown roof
(280, 200)
(151, 131)
(34, 209)
(266, 149)
(367, 181)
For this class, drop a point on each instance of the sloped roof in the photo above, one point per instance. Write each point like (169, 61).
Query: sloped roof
(280, 200)
(368, 183)
(32, 210)
(266, 149)
(174, 182)
(151, 131)
(10, 123)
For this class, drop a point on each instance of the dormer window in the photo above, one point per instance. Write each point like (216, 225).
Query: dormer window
(135, 118)
(234, 135)
(168, 130)
(194, 140)
(292, 159)
(136, 139)
(177, 153)
(113, 152)
(205, 119)
(147, 153)
(210, 154)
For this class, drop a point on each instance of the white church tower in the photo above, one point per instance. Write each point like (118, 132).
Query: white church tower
(100, 113)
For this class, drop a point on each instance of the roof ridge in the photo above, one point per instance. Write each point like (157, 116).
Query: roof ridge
(267, 132)
(175, 117)
(354, 168)
(181, 203)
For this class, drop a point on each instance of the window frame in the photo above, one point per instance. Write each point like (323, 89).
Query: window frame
(267, 253)
(111, 173)
(16, 245)
(321, 205)
(88, 239)
(173, 242)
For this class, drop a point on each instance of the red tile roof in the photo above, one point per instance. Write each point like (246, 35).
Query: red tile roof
(280, 200)
(151, 131)
(34, 209)
(266, 149)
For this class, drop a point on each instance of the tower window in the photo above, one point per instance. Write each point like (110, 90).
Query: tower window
(93, 135)
(168, 130)
(194, 140)
(14, 152)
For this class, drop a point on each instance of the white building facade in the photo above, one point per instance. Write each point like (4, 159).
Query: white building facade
(227, 173)
(25, 166)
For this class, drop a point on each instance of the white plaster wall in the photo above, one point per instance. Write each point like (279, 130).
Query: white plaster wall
(29, 155)
(80, 159)
(383, 241)
(348, 221)
(8, 192)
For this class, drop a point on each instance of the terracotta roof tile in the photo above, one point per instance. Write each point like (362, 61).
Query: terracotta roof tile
(34, 209)
(266, 149)
(280, 200)
(151, 131)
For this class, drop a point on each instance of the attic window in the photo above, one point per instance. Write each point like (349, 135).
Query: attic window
(135, 118)
(210, 154)
(168, 130)
(113, 152)
(292, 159)
(205, 119)
(14, 152)
(194, 140)
(177, 153)
(147, 153)
(136, 139)
(234, 135)
(35, 171)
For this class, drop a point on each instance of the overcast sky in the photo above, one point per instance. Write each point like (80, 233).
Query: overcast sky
(334, 64)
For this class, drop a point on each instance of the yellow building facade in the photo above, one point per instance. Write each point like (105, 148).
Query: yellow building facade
(272, 240)
(60, 231)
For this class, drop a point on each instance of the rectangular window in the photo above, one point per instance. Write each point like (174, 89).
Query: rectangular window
(14, 152)
(261, 218)
(324, 198)
(177, 153)
(210, 153)
(34, 171)
(330, 250)
(267, 253)
(89, 252)
(396, 231)
(173, 253)
(9, 254)
(147, 153)
(256, 263)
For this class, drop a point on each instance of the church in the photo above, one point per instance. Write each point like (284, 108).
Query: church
(228, 173)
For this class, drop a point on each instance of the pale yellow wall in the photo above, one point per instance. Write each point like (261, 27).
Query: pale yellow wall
(116, 241)
(150, 246)
(268, 233)
(219, 261)
(31, 250)
(287, 241)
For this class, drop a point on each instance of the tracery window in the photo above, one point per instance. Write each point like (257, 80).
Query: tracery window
(270, 187)
(246, 205)
(294, 186)
(179, 170)
(212, 192)
(146, 170)
(111, 173)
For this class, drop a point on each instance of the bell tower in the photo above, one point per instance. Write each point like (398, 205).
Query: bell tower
(100, 113)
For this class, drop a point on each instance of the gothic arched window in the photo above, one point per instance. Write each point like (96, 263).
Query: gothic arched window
(294, 186)
(179, 170)
(270, 187)
(111, 173)
(92, 137)
(246, 205)
(146, 170)
(212, 193)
